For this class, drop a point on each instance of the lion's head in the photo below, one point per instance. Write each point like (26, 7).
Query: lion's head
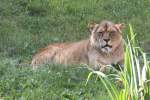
(106, 35)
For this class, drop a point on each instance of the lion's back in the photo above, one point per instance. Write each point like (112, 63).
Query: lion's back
(47, 54)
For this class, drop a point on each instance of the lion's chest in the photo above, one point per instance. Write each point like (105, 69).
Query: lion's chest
(96, 58)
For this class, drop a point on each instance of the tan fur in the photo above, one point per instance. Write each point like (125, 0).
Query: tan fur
(92, 51)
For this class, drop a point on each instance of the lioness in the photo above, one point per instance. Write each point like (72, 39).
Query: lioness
(104, 47)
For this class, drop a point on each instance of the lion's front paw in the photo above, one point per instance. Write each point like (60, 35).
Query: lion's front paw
(105, 69)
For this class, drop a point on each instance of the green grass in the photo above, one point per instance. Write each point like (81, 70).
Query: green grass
(50, 82)
(26, 25)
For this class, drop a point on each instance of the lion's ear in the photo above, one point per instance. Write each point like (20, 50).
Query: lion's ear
(120, 27)
(91, 25)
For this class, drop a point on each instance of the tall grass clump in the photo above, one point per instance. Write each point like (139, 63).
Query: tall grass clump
(132, 82)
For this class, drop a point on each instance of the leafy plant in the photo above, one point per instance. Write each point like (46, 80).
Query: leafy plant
(133, 79)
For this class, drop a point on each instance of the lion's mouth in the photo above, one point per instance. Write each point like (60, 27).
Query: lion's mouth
(110, 46)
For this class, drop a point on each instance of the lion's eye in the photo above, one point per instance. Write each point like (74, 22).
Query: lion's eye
(112, 32)
(100, 32)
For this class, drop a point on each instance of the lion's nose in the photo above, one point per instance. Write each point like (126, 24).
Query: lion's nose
(106, 40)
